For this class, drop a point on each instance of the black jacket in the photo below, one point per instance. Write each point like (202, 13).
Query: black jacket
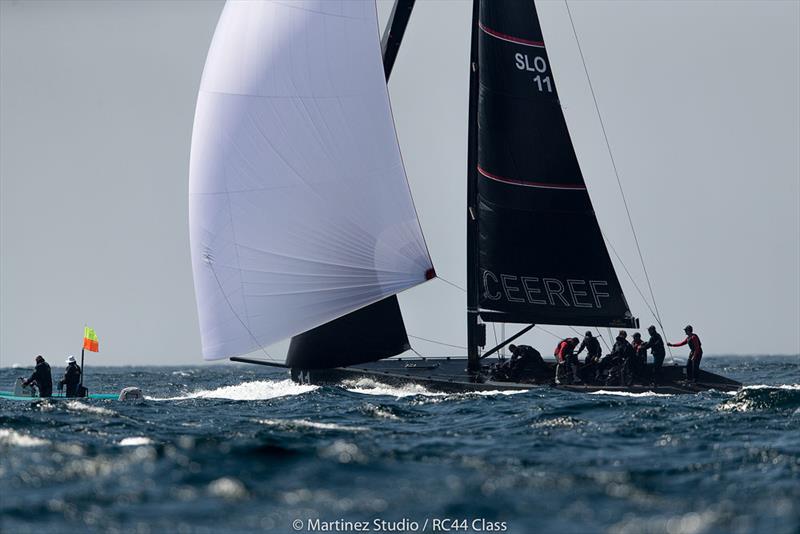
(43, 379)
(72, 379)
(622, 349)
(656, 346)
(527, 354)
(592, 346)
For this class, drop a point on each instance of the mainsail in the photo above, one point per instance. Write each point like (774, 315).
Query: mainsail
(300, 211)
(541, 257)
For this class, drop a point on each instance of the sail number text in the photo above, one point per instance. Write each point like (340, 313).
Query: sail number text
(538, 65)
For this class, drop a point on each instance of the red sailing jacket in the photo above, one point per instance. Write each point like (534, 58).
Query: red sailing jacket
(562, 350)
(695, 347)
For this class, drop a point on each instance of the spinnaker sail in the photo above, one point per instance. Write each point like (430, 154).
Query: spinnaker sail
(541, 256)
(300, 210)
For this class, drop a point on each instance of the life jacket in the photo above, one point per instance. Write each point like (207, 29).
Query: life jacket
(562, 349)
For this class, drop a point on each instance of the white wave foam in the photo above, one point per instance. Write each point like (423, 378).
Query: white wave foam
(15, 439)
(81, 407)
(135, 441)
(629, 394)
(257, 390)
(304, 423)
(494, 392)
(381, 412)
(227, 488)
(367, 386)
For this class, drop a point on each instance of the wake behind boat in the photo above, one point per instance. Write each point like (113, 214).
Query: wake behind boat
(301, 217)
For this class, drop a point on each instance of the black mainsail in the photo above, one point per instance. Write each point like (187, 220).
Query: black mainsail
(541, 257)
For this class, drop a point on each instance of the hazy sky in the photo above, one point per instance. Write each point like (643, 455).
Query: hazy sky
(701, 101)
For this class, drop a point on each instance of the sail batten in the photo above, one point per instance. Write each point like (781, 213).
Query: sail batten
(300, 210)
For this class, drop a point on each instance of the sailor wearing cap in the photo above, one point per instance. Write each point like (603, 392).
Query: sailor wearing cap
(72, 377)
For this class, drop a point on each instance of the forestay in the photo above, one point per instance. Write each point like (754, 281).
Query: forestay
(300, 210)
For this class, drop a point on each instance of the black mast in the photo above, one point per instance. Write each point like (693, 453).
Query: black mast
(473, 360)
(393, 34)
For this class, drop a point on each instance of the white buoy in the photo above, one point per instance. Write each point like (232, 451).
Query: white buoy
(131, 393)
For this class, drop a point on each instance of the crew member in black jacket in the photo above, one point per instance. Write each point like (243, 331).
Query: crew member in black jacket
(72, 377)
(656, 346)
(42, 377)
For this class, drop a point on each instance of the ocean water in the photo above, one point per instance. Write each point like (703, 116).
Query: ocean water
(243, 449)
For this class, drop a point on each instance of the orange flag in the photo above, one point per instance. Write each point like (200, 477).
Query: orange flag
(90, 342)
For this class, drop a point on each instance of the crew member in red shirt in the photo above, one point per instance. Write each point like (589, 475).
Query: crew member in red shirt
(695, 353)
(565, 354)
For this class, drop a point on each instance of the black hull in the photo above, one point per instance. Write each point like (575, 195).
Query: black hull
(450, 375)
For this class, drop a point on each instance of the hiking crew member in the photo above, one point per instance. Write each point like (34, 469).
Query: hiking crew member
(565, 354)
(523, 358)
(72, 378)
(42, 378)
(695, 353)
(619, 358)
(593, 350)
(656, 346)
(639, 360)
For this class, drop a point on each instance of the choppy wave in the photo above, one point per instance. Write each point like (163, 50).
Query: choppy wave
(249, 391)
(16, 439)
(629, 394)
(135, 441)
(368, 386)
(78, 406)
(763, 397)
(710, 462)
(303, 424)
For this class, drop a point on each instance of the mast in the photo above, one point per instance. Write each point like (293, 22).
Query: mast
(473, 360)
(393, 34)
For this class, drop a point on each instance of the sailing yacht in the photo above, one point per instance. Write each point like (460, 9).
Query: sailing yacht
(303, 225)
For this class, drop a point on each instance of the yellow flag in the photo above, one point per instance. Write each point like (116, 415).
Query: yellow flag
(90, 340)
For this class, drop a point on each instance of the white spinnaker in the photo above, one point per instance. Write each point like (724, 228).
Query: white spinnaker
(299, 207)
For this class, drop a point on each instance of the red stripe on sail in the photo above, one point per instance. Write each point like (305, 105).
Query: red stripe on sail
(541, 185)
(510, 38)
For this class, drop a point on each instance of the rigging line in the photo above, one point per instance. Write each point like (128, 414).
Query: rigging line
(438, 342)
(614, 165)
(630, 276)
(549, 332)
(495, 334)
(653, 313)
(446, 281)
(417, 353)
(210, 263)
(602, 339)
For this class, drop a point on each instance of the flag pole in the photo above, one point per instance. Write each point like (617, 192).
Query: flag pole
(82, 371)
